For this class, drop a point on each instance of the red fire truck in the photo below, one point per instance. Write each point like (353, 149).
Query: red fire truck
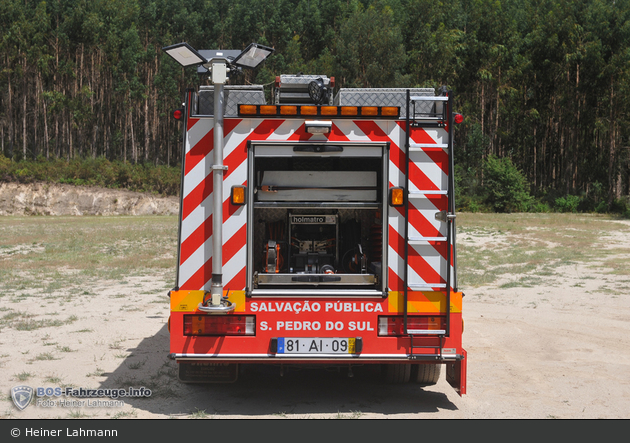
(316, 228)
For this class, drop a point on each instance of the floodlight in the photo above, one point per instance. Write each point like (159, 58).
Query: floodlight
(184, 54)
(253, 56)
(220, 63)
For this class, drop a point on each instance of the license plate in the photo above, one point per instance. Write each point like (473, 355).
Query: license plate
(300, 345)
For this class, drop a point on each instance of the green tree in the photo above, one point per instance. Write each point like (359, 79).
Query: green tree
(506, 188)
(370, 50)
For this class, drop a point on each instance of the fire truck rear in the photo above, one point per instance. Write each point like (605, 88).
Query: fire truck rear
(317, 229)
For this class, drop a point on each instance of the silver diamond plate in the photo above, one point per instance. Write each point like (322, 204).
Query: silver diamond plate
(234, 95)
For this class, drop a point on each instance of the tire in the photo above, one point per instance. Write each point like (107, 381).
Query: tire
(426, 374)
(397, 373)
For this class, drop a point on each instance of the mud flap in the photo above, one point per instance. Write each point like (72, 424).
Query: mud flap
(456, 374)
(206, 372)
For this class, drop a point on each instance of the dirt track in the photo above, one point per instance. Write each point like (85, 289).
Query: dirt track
(558, 349)
(527, 359)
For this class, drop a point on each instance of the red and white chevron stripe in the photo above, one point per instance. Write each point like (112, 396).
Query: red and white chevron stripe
(429, 168)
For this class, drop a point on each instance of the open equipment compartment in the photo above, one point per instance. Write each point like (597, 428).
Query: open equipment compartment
(317, 223)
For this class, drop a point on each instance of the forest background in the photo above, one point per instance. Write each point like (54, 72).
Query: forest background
(86, 93)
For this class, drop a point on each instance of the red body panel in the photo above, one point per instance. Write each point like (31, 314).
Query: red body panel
(298, 317)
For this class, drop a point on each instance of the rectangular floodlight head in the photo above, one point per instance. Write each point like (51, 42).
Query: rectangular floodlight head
(184, 54)
(253, 55)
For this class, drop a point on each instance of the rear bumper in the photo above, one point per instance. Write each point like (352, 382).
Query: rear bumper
(294, 318)
(320, 358)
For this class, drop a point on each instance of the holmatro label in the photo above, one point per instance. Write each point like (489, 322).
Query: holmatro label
(312, 219)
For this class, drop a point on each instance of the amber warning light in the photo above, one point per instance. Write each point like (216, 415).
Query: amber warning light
(396, 196)
(392, 112)
(237, 195)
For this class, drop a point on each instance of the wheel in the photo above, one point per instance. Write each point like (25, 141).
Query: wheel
(397, 373)
(426, 374)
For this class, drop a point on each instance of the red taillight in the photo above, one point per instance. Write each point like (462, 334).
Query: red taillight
(416, 324)
(178, 114)
(219, 324)
(458, 118)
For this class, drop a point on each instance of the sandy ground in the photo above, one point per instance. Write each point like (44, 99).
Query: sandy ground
(556, 350)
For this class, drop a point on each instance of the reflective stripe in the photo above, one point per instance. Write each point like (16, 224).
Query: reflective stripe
(428, 172)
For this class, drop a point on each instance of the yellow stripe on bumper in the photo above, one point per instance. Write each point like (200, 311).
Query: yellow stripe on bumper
(424, 302)
(188, 301)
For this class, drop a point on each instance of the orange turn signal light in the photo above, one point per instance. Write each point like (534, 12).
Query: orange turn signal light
(237, 196)
(396, 196)
(390, 111)
(308, 110)
(288, 110)
(247, 109)
(369, 110)
(349, 110)
(329, 110)
(268, 110)
(320, 111)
